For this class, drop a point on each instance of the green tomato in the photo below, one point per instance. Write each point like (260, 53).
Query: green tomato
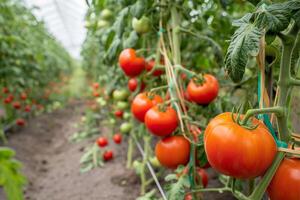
(142, 25)
(102, 23)
(125, 127)
(120, 95)
(122, 105)
(154, 161)
(106, 14)
(83, 118)
(126, 115)
(87, 24)
(112, 121)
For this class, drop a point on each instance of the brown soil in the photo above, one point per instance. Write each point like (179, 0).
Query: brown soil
(51, 162)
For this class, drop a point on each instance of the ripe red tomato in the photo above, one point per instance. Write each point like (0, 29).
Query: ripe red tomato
(161, 122)
(23, 96)
(119, 113)
(130, 63)
(132, 84)
(204, 177)
(149, 65)
(117, 138)
(102, 142)
(5, 90)
(188, 197)
(236, 151)
(201, 173)
(95, 85)
(173, 151)
(285, 184)
(96, 94)
(20, 122)
(142, 103)
(27, 108)
(205, 93)
(108, 155)
(16, 105)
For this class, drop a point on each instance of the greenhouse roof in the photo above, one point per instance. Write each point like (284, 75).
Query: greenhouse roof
(64, 19)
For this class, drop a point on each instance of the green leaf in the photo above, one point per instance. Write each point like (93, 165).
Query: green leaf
(119, 24)
(113, 49)
(131, 41)
(176, 191)
(10, 176)
(244, 43)
(138, 9)
(274, 18)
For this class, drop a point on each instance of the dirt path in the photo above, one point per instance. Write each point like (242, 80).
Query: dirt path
(51, 163)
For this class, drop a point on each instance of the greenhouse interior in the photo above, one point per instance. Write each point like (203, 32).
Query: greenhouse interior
(150, 100)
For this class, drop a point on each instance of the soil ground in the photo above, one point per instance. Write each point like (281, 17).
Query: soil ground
(51, 163)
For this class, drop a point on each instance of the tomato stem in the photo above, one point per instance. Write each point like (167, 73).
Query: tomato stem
(259, 191)
(250, 113)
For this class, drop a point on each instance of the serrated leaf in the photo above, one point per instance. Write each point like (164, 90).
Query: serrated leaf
(109, 39)
(244, 20)
(119, 23)
(177, 190)
(274, 18)
(244, 43)
(171, 177)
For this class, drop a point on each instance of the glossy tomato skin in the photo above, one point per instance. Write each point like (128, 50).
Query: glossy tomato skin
(205, 93)
(119, 113)
(102, 142)
(27, 108)
(130, 63)
(285, 184)
(20, 122)
(117, 138)
(236, 151)
(161, 122)
(149, 65)
(23, 96)
(142, 103)
(173, 151)
(16, 105)
(108, 155)
(132, 84)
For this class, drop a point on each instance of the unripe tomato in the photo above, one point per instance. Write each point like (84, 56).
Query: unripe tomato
(142, 103)
(117, 138)
(106, 14)
(236, 151)
(142, 25)
(102, 23)
(204, 93)
(16, 105)
(108, 155)
(154, 161)
(149, 65)
(161, 122)
(20, 122)
(120, 95)
(122, 105)
(285, 184)
(102, 142)
(173, 151)
(130, 63)
(125, 127)
(119, 113)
